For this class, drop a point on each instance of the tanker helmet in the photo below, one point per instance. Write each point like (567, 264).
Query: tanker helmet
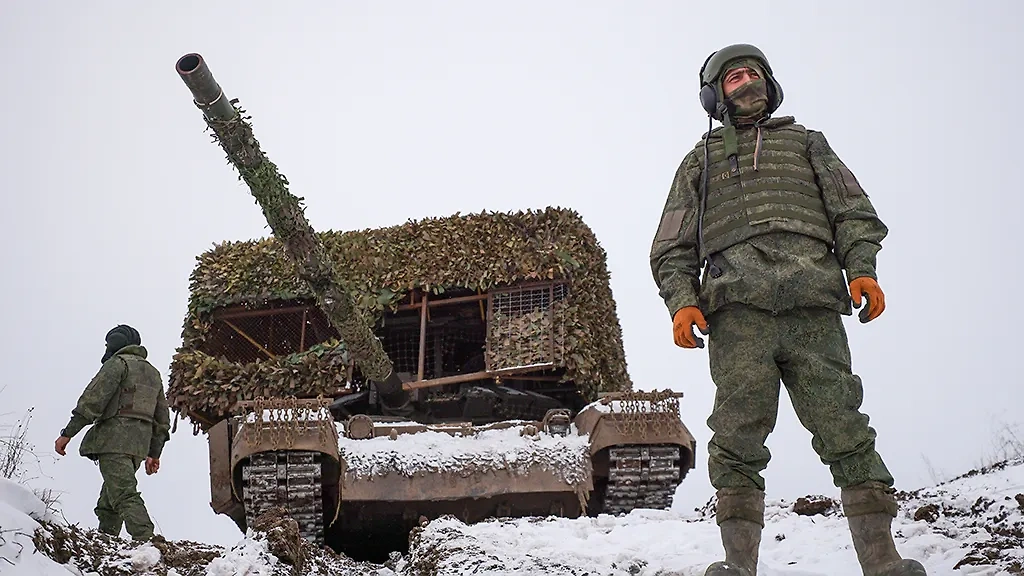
(711, 73)
(118, 337)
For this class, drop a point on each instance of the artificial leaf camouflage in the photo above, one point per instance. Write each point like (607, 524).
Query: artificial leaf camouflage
(537, 337)
(477, 252)
(209, 385)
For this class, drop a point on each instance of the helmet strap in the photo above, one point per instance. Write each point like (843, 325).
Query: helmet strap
(729, 138)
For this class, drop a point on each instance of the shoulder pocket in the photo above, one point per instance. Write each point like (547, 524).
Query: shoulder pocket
(850, 182)
(671, 222)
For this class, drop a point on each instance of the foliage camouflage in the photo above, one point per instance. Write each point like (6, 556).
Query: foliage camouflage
(476, 252)
(209, 385)
(527, 339)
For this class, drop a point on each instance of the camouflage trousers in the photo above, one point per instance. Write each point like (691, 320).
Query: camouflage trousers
(750, 351)
(120, 502)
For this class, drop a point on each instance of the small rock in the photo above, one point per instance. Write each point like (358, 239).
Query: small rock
(929, 513)
(282, 535)
(1020, 500)
(812, 505)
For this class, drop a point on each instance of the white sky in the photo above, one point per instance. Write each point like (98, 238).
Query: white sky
(381, 113)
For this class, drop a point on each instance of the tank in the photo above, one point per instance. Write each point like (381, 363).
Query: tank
(370, 380)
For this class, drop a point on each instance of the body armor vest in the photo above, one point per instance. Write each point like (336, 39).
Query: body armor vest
(769, 188)
(137, 396)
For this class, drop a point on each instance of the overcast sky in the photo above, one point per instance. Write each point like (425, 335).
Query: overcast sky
(382, 112)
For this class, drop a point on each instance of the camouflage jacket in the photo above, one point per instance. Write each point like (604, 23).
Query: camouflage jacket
(776, 270)
(112, 432)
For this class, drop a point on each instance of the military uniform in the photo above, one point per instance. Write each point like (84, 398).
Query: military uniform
(126, 405)
(780, 237)
(777, 217)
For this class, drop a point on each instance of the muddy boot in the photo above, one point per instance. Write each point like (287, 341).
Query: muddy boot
(869, 509)
(740, 517)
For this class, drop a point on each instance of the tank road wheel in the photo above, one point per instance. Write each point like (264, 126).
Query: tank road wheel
(641, 476)
(290, 479)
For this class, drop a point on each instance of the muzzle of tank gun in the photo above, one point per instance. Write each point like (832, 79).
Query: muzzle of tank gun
(206, 93)
(391, 385)
(394, 399)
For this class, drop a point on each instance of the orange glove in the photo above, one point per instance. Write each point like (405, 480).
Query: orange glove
(682, 327)
(876, 298)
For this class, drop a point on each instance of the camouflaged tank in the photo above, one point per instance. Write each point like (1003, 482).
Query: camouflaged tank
(369, 380)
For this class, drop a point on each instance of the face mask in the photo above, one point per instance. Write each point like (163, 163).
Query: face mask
(750, 100)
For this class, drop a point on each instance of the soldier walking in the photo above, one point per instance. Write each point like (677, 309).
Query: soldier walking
(126, 405)
(776, 217)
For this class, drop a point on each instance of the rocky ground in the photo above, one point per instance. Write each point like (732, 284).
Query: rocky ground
(973, 524)
(273, 547)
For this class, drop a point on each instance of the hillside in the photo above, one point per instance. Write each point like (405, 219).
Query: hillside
(973, 524)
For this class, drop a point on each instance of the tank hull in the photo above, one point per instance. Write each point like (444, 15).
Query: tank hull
(362, 485)
(363, 495)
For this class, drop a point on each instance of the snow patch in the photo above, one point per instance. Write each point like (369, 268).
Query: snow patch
(20, 513)
(653, 542)
(432, 452)
(250, 557)
(145, 557)
(23, 500)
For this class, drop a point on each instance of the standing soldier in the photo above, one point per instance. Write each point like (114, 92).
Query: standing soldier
(776, 217)
(125, 402)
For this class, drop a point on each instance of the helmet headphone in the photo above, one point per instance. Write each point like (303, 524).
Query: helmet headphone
(709, 91)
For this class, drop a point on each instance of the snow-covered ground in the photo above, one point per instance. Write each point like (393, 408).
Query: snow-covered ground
(972, 525)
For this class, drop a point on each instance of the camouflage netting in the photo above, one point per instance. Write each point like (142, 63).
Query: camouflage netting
(475, 252)
(211, 385)
(528, 339)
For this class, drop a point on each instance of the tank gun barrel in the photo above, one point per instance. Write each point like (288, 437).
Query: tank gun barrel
(284, 214)
(206, 92)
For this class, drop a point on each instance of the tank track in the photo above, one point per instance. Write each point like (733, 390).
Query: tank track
(290, 479)
(642, 476)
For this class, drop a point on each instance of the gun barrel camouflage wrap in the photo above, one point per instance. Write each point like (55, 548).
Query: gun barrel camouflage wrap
(284, 214)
